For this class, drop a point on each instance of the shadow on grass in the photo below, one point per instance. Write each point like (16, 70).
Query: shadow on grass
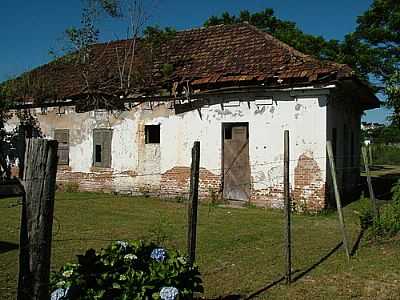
(320, 261)
(357, 243)
(300, 273)
(266, 288)
(6, 246)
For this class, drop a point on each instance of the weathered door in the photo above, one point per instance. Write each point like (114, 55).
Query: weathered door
(235, 161)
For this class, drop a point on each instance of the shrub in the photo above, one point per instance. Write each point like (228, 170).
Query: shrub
(388, 223)
(127, 270)
(366, 213)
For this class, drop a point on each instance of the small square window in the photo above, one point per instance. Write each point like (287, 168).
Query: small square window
(152, 134)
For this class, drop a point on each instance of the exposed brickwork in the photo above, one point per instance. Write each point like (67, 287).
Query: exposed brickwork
(270, 197)
(174, 182)
(309, 186)
(93, 181)
(308, 191)
(177, 181)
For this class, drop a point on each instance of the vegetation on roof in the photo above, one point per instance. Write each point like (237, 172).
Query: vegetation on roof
(154, 59)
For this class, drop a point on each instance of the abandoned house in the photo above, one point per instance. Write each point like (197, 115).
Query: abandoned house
(234, 88)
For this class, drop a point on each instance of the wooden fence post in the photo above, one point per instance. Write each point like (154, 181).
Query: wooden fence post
(193, 201)
(370, 189)
(39, 182)
(23, 271)
(337, 197)
(371, 162)
(287, 210)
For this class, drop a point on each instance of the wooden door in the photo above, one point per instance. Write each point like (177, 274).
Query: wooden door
(236, 166)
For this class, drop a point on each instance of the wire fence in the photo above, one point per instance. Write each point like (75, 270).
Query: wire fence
(266, 174)
(93, 220)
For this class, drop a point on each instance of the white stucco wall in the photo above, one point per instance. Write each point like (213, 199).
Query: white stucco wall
(135, 163)
(305, 118)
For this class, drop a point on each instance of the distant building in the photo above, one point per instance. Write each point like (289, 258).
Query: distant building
(371, 126)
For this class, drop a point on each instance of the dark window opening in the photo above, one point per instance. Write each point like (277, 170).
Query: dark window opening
(233, 130)
(98, 153)
(228, 133)
(152, 134)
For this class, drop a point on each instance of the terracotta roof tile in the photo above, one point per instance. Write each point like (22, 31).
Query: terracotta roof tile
(219, 54)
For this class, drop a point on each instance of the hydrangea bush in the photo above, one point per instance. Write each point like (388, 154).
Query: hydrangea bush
(127, 270)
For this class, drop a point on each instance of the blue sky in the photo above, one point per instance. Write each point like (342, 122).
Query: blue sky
(29, 29)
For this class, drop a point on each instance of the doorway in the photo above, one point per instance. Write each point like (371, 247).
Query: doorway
(236, 161)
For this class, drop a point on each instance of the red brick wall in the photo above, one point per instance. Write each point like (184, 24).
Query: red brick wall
(307, 191)
(177, 181)
(174, 182)
(309, 186)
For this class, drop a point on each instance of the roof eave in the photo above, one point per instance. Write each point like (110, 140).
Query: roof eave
(364, 92)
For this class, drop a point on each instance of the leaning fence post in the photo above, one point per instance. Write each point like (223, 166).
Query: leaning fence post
(193, 201)
(370, 189)
(288, 209)
(371, 162)
(39, 182)
(337, 197)
(23, 270)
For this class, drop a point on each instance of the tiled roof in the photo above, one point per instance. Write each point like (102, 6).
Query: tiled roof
(229, 53)
(217, 56)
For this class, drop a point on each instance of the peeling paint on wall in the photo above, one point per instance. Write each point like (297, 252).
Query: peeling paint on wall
(164, 168)
(309, 185)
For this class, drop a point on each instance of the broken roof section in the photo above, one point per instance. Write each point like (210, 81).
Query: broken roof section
(202, 59)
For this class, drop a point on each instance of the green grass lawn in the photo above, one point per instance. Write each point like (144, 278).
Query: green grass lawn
(239, 250)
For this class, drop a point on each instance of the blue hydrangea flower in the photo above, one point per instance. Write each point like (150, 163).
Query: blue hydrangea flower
(169, 293)
(158, 254)
(59, 294)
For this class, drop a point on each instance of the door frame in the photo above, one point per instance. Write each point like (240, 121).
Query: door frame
(223, 126)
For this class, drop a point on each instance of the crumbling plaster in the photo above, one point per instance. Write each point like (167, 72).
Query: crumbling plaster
(136, 165)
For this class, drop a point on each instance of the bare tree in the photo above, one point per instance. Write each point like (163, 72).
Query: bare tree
(106, 84)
